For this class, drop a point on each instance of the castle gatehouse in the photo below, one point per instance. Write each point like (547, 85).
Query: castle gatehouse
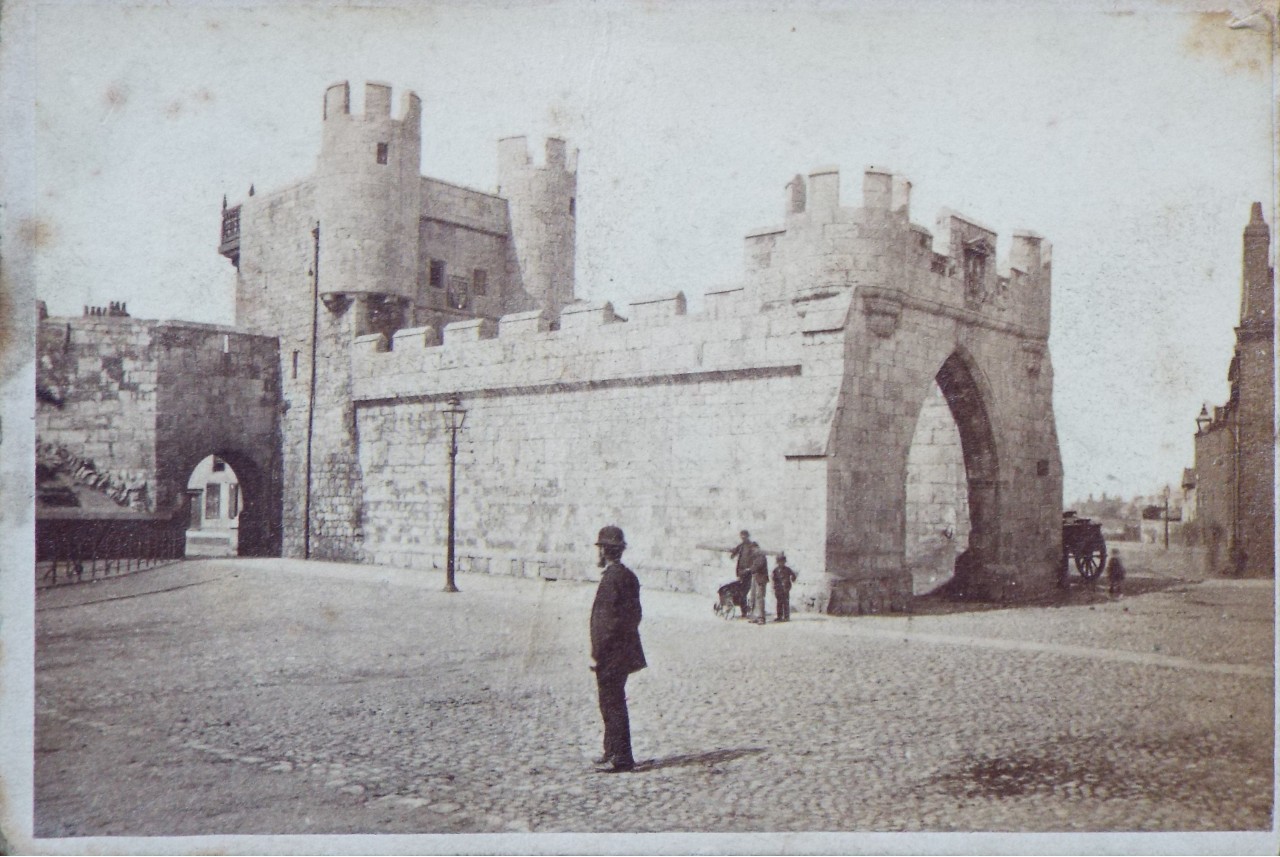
(872, 397)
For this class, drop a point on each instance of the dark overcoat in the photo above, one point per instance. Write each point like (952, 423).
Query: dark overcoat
(615, 622)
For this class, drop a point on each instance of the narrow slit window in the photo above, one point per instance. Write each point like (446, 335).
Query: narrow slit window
(573, 206)
(437, 274)
(295, 365)
(382, 153)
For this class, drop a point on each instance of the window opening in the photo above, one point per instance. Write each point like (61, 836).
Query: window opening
(480, 281)
(437, 274)
(459, 293)
(212, 501)
(382, 153)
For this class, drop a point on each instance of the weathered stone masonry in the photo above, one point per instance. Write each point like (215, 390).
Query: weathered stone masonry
(367, 245)
(153, 398)
(787, 407)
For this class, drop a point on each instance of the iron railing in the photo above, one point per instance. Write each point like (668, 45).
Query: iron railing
(76, 548)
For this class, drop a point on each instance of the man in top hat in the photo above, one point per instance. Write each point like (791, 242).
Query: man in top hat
(615, 648)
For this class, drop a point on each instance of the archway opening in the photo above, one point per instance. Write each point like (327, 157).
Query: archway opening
(937, 514)
(951, 482)
(215, 504)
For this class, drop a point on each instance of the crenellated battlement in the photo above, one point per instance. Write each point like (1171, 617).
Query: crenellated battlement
(377, 104)
(513, 154)
(824, 245)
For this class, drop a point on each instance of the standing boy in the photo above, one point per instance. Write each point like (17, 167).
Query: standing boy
(783, 577)
(1115, 575)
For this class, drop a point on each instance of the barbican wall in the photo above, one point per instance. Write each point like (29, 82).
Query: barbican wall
(787, 407)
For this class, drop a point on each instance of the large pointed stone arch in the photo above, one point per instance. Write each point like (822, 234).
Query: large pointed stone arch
(963, 385)
(992, 380)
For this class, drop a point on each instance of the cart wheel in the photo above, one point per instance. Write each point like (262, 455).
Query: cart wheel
(1090, 563)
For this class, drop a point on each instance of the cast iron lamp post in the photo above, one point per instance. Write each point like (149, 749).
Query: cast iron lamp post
(454, 416)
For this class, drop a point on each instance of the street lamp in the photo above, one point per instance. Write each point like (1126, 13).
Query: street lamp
(454, 417)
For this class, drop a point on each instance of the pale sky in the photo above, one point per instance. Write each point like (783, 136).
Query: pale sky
(1134, 136)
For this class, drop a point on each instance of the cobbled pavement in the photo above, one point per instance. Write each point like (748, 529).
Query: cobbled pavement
(278, 696)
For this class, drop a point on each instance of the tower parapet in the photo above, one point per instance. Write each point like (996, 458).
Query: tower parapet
(542, 201)
(825, 247)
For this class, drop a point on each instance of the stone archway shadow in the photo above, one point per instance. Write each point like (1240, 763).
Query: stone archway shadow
(1077, 594)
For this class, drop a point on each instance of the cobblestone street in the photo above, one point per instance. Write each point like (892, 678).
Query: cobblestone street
(276, 696)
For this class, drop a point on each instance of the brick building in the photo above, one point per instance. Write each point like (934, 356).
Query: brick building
(1235, 444)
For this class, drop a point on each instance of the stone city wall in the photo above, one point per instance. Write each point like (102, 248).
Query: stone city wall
(681, 429)
(787, 407)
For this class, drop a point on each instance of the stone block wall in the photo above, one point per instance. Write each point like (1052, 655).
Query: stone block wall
(543, 211)
(368, 193)
(681, 429)
(219, 394)
(925, 312)
(154, 398)
(96, 377)
(788, 407)
(467, 230)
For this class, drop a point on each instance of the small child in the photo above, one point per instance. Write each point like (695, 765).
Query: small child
(783, 577)
(1115, 575)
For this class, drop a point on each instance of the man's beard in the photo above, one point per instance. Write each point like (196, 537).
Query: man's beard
(602, 561)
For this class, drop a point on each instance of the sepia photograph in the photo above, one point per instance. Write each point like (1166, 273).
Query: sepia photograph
(419, 420)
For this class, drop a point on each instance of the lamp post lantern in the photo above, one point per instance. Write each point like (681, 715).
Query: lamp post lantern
(454, 417)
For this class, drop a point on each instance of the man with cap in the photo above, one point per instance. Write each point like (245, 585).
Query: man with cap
(744, 553)
(615, 648)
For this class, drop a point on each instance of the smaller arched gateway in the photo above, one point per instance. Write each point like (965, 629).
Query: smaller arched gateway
(142, 402)
(246, 498)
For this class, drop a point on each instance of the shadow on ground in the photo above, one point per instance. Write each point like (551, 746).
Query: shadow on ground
(1076, 594)
(689, 760)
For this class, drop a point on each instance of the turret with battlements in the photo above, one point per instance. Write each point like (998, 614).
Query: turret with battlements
(543, 205)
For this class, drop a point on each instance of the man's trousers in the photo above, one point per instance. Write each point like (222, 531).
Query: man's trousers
(613, 708)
